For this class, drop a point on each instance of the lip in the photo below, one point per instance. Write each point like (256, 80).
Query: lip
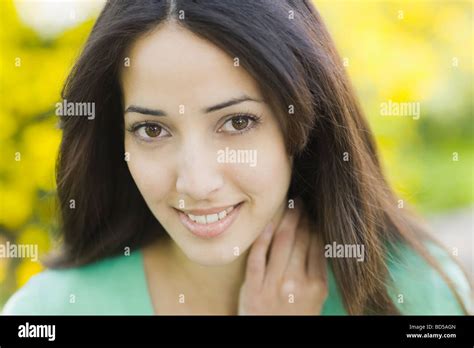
(209, 230)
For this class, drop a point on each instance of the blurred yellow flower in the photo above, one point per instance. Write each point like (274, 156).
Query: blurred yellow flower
(35, 235)
(25, 270)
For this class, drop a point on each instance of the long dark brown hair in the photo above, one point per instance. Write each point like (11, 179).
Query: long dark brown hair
(285, 46)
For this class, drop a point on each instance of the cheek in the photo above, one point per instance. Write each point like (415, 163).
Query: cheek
(265, 186)
(149, 172)
(268, 181)
(272, 173)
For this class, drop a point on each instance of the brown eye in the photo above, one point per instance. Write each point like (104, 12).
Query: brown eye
(152, 130)
(240, 123)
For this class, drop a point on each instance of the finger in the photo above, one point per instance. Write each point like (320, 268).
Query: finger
(282, 245)
(256, 261)
(316, 261)
(298, 259)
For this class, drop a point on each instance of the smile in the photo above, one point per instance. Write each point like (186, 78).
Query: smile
(208, 223)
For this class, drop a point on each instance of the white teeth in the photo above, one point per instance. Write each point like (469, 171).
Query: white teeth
(212, 218)
(201, 219)
(209, 219)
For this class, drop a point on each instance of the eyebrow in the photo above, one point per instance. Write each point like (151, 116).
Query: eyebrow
(226, 104)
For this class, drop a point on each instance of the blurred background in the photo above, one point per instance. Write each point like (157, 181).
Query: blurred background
(403, 51)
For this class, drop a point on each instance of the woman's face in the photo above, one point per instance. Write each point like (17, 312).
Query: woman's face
(201, 140)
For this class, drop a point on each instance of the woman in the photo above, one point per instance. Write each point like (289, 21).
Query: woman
(228, 170)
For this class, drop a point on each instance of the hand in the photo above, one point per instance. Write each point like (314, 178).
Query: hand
(293, 281)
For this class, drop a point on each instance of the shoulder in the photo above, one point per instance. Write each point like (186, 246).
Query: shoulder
(418, 288)
(93, 288)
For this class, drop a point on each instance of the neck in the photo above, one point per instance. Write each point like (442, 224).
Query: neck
(207, 289)
(216, 286)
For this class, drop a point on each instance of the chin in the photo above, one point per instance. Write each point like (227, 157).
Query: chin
(209, 258)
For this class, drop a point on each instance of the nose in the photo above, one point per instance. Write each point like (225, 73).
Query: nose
(198, 174)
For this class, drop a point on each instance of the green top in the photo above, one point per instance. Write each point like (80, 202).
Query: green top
(117, 286)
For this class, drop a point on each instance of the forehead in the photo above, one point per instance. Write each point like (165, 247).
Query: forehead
(174, 66)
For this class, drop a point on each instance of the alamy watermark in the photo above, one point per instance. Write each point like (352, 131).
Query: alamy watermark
(334, 250)
(84, 109)
(237, 156)
(23, 251)
(28, 330)
(405, 109)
